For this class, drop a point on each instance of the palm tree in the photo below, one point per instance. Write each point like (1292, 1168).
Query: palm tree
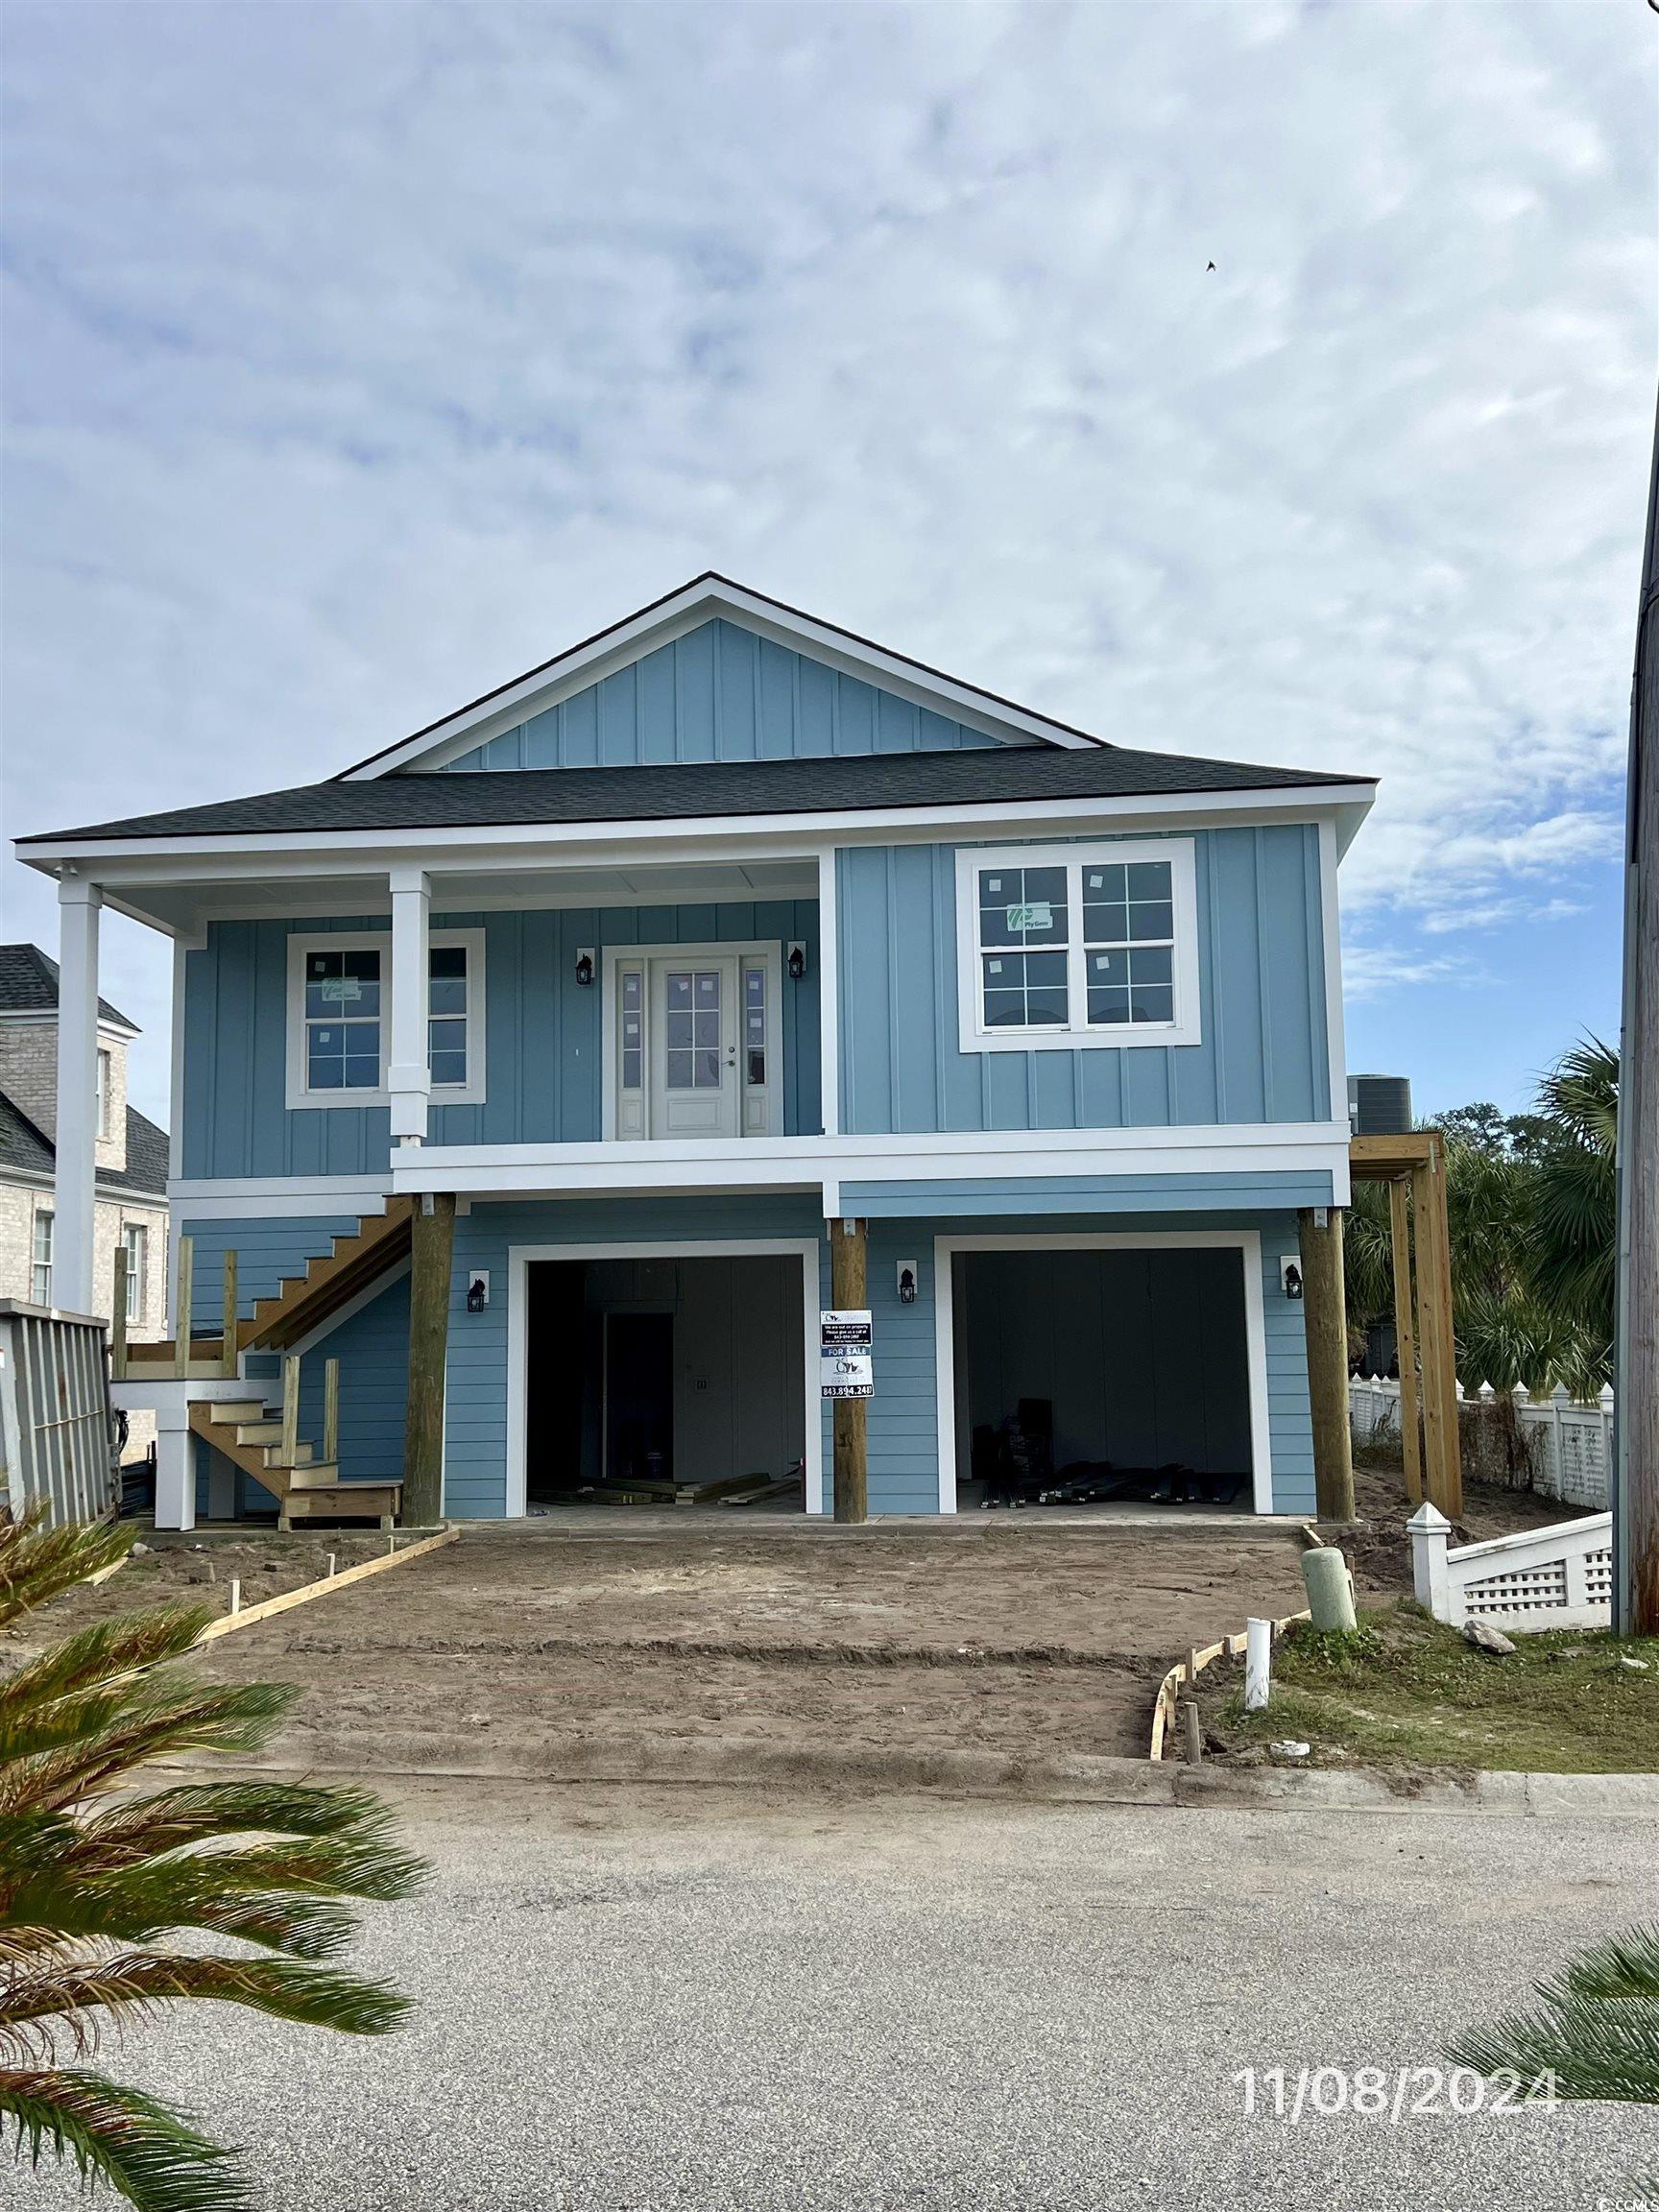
(1594, 2037)
(1531, 1219)
(93, 1885)
(1576, 1208)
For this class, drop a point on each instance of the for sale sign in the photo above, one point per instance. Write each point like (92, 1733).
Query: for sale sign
(845, 1358)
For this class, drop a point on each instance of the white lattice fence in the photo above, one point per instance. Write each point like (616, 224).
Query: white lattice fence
(1568, 1446)
(1555, 1578)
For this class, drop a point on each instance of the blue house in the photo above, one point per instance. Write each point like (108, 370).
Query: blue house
(601, 1000)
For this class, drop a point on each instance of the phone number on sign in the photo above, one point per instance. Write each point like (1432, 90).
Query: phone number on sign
(1377, 2093)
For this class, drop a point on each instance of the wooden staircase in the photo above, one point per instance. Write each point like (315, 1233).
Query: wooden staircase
(265, 1444)
(301, 1303)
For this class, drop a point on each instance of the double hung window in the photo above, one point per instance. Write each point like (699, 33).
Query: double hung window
(340, 1018)
(1077, 945)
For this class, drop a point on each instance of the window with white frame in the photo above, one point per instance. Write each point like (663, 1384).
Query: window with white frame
(1077, 945)
(343, 1029)
(41, 1256)
(105, 1089)
(340, 1018)
(135, 1243)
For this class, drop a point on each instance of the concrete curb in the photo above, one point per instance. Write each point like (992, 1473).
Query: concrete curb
(730, 1762)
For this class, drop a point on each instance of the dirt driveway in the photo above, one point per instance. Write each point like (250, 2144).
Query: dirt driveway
(525, 1649)
(504, 1650)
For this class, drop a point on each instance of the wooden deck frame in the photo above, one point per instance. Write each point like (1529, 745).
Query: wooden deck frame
(1413, 1165)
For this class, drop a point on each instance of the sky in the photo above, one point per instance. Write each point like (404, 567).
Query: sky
(354, 359)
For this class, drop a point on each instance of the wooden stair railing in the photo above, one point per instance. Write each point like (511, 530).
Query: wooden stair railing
(301, 1303)
(265, 1443)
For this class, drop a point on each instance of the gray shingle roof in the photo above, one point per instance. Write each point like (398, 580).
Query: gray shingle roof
(704, 790)
(21, 1144)
(24, 1148)
(28, 985)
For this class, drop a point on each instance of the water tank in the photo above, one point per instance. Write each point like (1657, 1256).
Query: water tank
(1379, 1105)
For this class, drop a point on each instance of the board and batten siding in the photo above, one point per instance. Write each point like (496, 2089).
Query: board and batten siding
(542, 1030)
(1264, 1056)
(720, 693)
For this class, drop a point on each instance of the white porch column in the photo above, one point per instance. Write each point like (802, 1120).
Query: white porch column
(409, 1079)
(74, 1275)
(175, 1465)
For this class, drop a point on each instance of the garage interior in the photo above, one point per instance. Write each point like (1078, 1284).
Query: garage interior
(657, 1381)
(1086, 1377)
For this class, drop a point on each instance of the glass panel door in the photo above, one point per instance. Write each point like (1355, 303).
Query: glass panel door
(695, 1076)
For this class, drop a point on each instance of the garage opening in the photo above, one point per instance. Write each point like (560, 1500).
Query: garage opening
(1087, 1377)
(665, 1381)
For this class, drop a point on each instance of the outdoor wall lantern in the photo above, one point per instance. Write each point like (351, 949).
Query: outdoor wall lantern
(907, 1282)
(796, 960)
(584, 966)
(1290, 1276)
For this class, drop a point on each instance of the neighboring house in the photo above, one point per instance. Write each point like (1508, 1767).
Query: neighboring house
(129, 1153)
(713, 930)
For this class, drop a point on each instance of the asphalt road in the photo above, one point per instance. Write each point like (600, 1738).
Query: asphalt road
(669, 2000)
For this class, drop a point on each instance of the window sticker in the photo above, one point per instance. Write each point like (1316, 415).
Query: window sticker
(1038, 914)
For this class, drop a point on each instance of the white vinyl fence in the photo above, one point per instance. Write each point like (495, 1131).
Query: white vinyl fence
(1555, 1578)
(57, 1442)
(1566, 1448)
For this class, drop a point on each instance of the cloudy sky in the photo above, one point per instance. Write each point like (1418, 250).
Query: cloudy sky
(356, 358)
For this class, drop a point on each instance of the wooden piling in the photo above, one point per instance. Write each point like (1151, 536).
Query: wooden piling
(432, 1257)
(1405, 1337)
(1325, 1323)
(849, 1292)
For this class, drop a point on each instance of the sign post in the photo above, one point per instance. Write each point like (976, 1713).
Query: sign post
(845, 1362)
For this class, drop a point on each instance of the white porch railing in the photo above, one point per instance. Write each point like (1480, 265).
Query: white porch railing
(1555, 1578)
(1568, 1446)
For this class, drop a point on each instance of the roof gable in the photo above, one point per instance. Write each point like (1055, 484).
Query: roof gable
(28, 985)
(740, 623)
(722, 692)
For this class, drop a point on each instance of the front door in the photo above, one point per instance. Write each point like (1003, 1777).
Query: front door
(694, 1076)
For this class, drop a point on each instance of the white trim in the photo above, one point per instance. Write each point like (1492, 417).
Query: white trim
(316, 852)
(767, 950)
(518, 1261)
(176, 1065)
(75, 1145)
(232, 1197)
(298, 1097)
(1331, 931)
(829, 993)
(1078, 1035)
(405, 1068)
(1247, 1242)
(704, 599)
(814, 1163)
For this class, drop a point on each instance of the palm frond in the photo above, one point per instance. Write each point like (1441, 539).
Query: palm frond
(94, 1657)
(133, 1985)
(90, 1892)
(146, 2149)
(37, 1563)
(1581, 1094)
(197, 1812)
(165, 1716)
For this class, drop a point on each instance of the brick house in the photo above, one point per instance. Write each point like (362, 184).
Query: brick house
(131, 1211)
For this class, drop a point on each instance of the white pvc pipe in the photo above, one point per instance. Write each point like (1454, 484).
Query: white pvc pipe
(1258, 1664)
